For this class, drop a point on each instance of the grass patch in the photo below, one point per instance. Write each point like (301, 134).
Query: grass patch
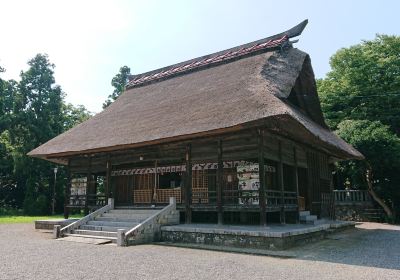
(18, 219)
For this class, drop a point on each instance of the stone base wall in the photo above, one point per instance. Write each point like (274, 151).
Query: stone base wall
(241, 241)
(356, 213)
(49, 224)
(151, 231)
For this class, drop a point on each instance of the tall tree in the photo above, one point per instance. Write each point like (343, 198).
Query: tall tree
(74, 115)
(7, 94)
(38, 118)
(364, 83)
(32, 112)
(360, 98)
(8, 193)
(118, 82)
(381, 147)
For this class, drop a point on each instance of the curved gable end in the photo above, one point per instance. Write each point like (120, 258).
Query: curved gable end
(304, 94)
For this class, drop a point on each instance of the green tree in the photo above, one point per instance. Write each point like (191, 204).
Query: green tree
(360, 98)
(364, 83)
(381, 147)
(118, 82)
(7, 93)
(74, 115)
(38, 117)
(8, 192)
(32, 112)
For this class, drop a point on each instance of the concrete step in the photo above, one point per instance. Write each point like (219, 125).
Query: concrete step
(87, 240)
(158, 207)
(111, 224)
(374, 218)
(373, 209)
(113, 239)
(103, 228)
(119, 219)
(95, 233)
(126, 216)
(304, 213)
(134, 211)
(320, 222)
(308, 219)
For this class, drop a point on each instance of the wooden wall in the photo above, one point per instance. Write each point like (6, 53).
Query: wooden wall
(238, 146)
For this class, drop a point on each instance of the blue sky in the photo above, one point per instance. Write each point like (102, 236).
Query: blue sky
(89, 41)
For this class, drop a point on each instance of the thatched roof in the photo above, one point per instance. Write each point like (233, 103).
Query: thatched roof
(255, 87)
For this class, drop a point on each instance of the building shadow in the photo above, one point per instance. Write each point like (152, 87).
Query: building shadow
(369, 244)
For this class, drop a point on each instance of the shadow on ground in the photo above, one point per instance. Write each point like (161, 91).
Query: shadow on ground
(369, 244)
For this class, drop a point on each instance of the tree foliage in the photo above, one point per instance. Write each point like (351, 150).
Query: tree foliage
(33, 111)
(360, 98)
(364, 83)
(381, 147)
(118, 82)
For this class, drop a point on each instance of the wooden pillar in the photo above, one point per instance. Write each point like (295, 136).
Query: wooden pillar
(94, 184)
(261, 164)
(154, 193)
(88, 185)
(281, 186)
(188, 184)
(67, 191)
(296, 182)
(107, 186)
(220, 182)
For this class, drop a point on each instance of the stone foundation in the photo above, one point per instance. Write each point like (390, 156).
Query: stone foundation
(266, 239)
(358, 213)
(49, 224)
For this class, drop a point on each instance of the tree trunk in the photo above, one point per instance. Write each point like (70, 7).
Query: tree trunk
(374, 195)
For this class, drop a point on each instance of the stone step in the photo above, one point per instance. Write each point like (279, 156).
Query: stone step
(103, 228)
(158, 207)
(374, 209)
(372, 214)
(126, 216)
(119, 219)
(113, 239)
(304, 213)
(87, 240)
(309, 218)
(112, 224)
(95, 233)
(374, 217)
(134, 211)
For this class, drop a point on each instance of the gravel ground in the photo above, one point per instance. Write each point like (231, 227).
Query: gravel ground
(371, 251)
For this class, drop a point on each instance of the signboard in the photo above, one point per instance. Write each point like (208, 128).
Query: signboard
(249, 184)
(78, 186)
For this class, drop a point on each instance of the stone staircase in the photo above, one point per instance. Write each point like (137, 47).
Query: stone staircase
(106, 226)
(374, 214)
(307, 218)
